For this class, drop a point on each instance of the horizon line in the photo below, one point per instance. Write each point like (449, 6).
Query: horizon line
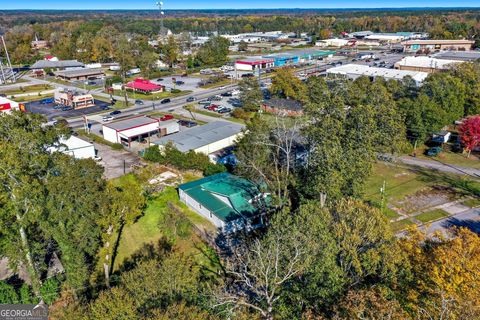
(233, 9)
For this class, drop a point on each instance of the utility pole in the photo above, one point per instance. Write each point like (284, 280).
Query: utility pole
(160, 9)
(383, 192)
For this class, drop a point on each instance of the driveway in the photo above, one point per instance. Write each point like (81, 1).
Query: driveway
(116, 162)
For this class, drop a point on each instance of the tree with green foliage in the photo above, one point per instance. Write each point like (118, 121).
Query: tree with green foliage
(170, 51)
(286, 84)
(214, 52)
(251, 95)
(7, 293)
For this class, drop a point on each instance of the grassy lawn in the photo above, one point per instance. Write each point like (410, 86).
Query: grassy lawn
(148, 229)
(93, 137)
(218, 84)
(390, 214)
(400, 182)
(28, 89)
(431, 215)
(151, 97)
(475, 202)
(208, 113)
(32, 98)
(401, 225)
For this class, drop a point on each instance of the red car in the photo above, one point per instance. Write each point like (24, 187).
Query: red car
(167, 117)
(213, 107)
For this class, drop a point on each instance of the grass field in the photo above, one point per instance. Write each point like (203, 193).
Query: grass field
(28, 89)
(431, 215)
(151, 97)
(32, 98)
(148, 229)
(400, 182)
(401, 225)
(208, 113)
(475, 202)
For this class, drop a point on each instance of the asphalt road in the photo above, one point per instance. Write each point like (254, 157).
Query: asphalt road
(440, 166)
(469, 219)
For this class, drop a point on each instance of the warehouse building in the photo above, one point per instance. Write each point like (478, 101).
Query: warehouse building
(205, 139)
(79, 74)
(353, 71)
(75, 147)
(282, 59)
(466, 56)
(253, 64)
(137, 128)
(437, 45)
(58, 65)
(425, 64)
(229, 202)
(310, 55)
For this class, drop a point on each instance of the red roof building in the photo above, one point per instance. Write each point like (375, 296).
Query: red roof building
(144, 86)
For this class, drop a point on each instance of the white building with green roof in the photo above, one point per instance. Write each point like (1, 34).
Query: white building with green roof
(231, 203)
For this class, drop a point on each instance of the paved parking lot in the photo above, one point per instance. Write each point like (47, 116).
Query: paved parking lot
(47, 109)
(191, 83)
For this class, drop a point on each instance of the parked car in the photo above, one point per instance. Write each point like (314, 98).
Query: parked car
(97, 158)
(191, 99)
(105, 108)
(47, 101)
(139, 102)
(434, 151)
(3, 95)
(61, 122)
(205, 101)
(248, 75)
(227, 94)
(167, 117)
(160, 79)
(187, 123)
(107, 118)
(179, 83)
(224, 110)
(58, 106)
(67, 108)
(165, 101)
(212, 107)
(116, 112)
(215, 98)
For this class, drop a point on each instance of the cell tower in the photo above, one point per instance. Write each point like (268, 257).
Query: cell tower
(162, 14)
(6, 71)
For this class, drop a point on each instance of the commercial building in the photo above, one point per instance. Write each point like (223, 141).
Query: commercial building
(58, 65)
(466, 56)
(229, 202)
(252, 64)
(334, 43)
(74, 99)
(286, 107)
(79, 74)
(144, 86)
(437, 45)
(75, 147)
(205, 139)
(425, 64)
(309, 55)
(353, 71)
(283, 59)
(7, 105)
(137, 128)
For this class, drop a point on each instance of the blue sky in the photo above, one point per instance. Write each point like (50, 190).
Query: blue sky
(220, 4)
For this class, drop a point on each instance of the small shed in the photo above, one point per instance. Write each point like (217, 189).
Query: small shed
(441, 136)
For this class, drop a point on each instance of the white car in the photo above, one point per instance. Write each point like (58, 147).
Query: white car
(97, 158)
(235, 92)
(107, 118)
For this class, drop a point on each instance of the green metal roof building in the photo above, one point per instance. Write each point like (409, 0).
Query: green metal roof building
(231, 203)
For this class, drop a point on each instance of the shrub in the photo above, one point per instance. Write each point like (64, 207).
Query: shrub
(175, 91)
(7, 293)
(117, 146)
(183, 161)
(49, 290)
